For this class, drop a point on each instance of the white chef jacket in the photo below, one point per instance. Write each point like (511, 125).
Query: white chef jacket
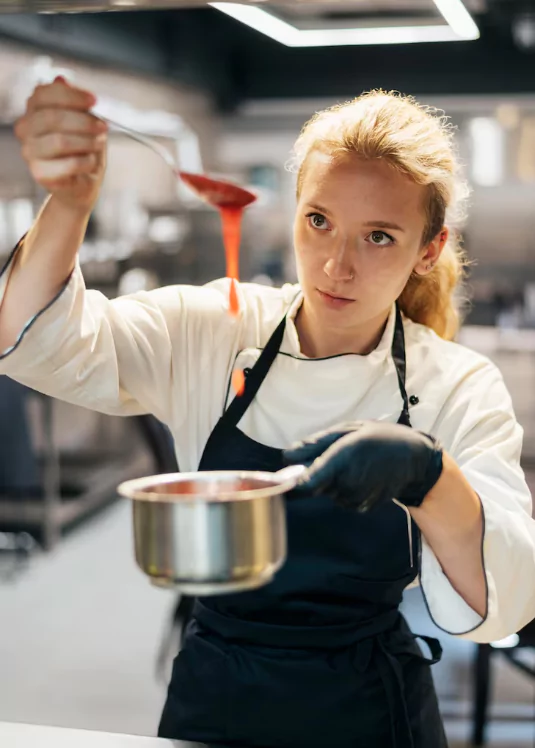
(171, 352)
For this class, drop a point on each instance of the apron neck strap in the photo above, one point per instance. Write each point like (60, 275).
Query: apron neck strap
(258, 373)
(400, 362)
(256, 376)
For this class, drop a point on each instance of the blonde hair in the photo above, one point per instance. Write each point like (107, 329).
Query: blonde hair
(418, 141)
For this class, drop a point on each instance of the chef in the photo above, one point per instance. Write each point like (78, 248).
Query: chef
(412, 445)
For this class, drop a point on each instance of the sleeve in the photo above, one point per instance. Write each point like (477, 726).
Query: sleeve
(480, 431)
(143, 353)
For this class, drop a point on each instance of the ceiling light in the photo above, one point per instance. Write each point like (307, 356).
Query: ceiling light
(460, 27)
(458, 18)
(262, 21)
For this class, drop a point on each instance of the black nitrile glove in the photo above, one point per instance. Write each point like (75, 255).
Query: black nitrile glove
(363, 463)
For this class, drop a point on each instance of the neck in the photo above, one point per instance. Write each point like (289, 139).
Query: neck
(320, 341)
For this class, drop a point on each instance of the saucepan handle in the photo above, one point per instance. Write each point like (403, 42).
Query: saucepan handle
(290, 475)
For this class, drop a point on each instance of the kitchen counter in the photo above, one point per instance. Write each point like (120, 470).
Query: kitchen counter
(13, 735)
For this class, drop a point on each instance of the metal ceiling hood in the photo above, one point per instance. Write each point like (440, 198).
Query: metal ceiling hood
(95, 6)
(307, 23)
(296, 6)
(298, 9)
(90, 6)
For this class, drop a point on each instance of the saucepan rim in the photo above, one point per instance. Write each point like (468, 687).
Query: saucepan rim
(276, 484)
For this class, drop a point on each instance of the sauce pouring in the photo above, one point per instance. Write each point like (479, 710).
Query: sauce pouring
(228, 198)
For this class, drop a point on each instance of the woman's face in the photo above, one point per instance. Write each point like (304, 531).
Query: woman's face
(358, 237)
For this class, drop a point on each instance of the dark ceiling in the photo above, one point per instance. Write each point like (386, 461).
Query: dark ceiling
(206, 49)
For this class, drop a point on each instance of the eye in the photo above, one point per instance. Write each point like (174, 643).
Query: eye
(318, 221)
(378, 238)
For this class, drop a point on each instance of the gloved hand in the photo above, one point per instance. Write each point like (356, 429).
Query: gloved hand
(363, 463)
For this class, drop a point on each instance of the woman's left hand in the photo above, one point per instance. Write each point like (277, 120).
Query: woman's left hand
(363, 463)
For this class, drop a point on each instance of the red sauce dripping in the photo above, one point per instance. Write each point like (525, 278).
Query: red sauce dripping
(231, 218)
(230, 200)
(238, 382)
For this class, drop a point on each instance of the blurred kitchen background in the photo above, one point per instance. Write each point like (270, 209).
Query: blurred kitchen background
(84, 639)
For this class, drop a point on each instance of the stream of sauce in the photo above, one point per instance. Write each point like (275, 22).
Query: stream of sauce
(231, 218)
(230, 201)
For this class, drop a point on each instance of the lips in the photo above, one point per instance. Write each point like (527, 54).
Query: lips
(335, 296)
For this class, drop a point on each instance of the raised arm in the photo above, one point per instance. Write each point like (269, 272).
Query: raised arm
(64, 147)
(148, 352)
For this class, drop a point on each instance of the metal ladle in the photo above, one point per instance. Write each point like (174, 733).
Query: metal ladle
(215, 192)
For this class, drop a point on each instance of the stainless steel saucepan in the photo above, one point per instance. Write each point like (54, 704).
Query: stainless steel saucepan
(209, 533)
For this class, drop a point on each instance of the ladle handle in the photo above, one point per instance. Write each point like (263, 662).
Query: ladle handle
(151, 143)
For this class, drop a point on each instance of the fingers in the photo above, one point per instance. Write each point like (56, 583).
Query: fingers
(60, 138)
(335, 472)
(306, 451)
(52, 120)
(322, 475)
(54, 172)
(308, 485)
(59, 109)
(60, 145)
(60, 95)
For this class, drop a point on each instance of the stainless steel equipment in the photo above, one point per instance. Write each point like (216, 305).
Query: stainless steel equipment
(91, 6)
(209, 533)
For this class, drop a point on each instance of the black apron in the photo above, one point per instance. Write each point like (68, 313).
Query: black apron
(321, 656)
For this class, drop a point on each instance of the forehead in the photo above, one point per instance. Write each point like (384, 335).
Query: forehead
(354, 184)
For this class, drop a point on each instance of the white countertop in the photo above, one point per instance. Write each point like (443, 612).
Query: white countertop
(14, 735)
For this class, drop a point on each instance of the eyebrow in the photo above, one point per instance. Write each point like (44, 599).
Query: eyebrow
(318, 208)
(373, 224)
(384, 225)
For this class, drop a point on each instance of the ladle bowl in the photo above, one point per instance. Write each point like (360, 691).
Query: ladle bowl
(216, 192)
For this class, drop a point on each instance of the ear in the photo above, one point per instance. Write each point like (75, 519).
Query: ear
(429, 255)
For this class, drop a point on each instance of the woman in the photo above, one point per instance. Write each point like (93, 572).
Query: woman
(321, 656)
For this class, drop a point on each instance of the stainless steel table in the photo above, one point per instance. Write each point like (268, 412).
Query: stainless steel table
(13, 735)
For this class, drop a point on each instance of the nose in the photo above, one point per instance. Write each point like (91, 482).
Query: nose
(339, 266)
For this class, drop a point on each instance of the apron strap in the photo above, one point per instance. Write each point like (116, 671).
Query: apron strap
(435, 647)
(391, 674)
(400, 362)
(253, 382)
(236, 410)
